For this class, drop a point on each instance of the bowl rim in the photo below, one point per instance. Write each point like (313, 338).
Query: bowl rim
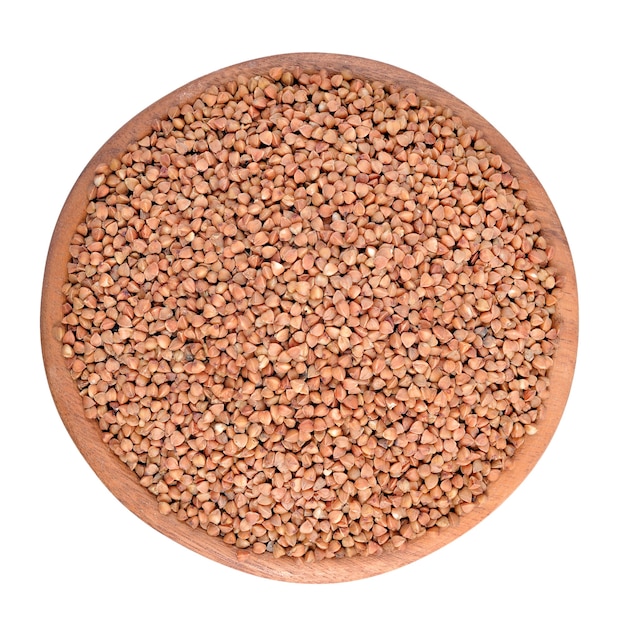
(123, 483)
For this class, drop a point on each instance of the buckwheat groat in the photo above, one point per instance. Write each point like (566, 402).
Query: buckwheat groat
(312, 313)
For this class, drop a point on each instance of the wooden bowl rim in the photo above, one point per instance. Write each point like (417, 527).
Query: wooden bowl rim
(124, 485)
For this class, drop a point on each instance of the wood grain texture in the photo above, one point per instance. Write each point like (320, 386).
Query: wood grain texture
(124, 484)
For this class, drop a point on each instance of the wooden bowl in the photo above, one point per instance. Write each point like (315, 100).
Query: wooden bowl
(124, 484)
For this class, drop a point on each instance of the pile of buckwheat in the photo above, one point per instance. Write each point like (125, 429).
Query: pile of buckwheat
(312, 313)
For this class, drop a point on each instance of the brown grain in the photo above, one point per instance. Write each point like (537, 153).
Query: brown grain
(312, 313)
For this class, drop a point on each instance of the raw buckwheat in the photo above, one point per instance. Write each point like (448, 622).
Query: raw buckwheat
(312, 313)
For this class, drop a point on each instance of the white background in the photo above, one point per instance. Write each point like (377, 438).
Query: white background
(547, 75)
